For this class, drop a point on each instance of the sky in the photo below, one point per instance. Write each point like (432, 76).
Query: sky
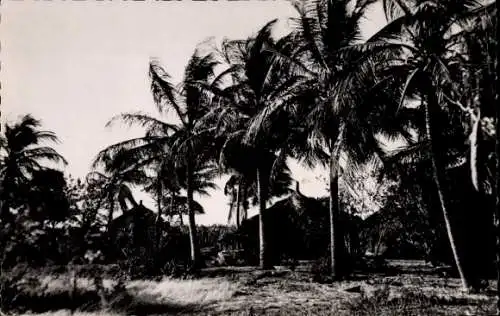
(76, 64)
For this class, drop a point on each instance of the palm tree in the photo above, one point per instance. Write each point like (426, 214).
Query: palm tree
(144, 162)
(181, 150)
(425, 61)
(237, 189)
(261, 175)
(303, 68)
(113, 183)
(126, 164)
(21, 155)
(242, 93)
(242, 192)
(191, 146)
(324, 55)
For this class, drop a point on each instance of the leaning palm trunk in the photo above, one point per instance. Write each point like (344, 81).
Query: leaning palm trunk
(497, 201)
(261, 187)
(497, 182)
(335, 236)
(190, 208)
(438, 177)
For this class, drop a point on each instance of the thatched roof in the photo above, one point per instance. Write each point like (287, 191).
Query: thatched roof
(298, 226)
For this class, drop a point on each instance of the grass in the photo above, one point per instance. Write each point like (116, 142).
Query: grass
(247, 291)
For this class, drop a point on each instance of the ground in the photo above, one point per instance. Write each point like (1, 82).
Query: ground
(405, 288)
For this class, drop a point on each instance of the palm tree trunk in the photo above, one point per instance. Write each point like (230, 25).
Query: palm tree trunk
(158, 216)
(179, 210)
(476, 99)
(475, 138)
(2, 199)
(335, 237)
(497, 182)
(438, 177)
(171, 209)
(497, 200)
(262, 193)
(333, 205)
(244, 205)
(190, 208)
(110, 212)
(238, 202)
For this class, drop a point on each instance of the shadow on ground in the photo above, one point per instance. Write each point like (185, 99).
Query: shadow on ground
(90, 301)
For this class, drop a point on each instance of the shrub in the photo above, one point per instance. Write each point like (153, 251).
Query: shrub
(380, 303)
(321, 270)
(11, 287)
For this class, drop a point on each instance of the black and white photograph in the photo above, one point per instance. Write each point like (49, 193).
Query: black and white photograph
(249, 157)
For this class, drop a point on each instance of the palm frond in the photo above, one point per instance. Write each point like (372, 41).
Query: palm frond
(106, 155)
(44, 153)
(164, 92)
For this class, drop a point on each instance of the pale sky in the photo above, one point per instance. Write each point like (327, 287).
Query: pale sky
(75, 64)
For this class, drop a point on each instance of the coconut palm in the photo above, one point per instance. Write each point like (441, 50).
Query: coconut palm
(242, 92)
(165, 189)
(427, 63)
(260, 172)
(192, 146)
(113, 183)
(479, 78)
(179, 152)
(126, 163)
(236, 188)
(326, 104)
(242, 192)
(144, 162)
(296, 78)
(22, 152)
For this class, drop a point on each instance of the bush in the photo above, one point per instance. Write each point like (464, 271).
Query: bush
(11, 287)
(321, 270)
(380, 303)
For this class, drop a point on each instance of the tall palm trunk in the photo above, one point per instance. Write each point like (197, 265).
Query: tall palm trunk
(110, 219)
(179, 210)
(3, 202)
(497, 198)
(171, 209)
(497, 182)
(497, 202)
(475, 138)
(111, 210)
(158, 232)
(244, 205)
(438, 178)
(335, 236)
(238, 203)
(262, 193)
(191, 221)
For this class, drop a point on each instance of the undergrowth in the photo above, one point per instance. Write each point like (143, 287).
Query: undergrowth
(413, 302)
